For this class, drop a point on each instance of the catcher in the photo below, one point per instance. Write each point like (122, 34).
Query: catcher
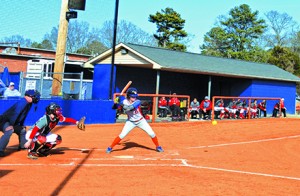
(40, 138)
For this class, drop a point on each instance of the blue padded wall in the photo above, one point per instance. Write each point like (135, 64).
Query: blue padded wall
(101, 81)
(96, 111)
(272, 89)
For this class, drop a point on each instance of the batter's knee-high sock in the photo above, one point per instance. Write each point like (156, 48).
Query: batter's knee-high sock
(115, 142)
(155, 141)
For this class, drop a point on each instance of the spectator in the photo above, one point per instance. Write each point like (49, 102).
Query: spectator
(194, 108)
(11, 91)
(262, 108)
(174, 105)
(163, 107)
(205, 109)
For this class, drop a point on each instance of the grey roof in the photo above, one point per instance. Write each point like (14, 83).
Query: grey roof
(201, 64)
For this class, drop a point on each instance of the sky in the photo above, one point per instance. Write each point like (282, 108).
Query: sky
(34, 18)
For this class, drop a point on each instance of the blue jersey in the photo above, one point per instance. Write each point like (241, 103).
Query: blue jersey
(17, 113)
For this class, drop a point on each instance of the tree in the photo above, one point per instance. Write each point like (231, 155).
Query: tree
(46, 44)
(235, 36)
(170, 31)
(94, 48)
(127, 32)
(281, 29)
(296, 43)
(78, 36)
(285, 59)
(17, 39)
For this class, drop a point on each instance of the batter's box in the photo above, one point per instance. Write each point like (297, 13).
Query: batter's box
(128, 160)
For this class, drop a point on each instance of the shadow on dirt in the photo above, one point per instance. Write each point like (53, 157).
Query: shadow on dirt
(60, 187)
(128, 145)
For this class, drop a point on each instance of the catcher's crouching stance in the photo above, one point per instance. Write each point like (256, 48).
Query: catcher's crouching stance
(39, 136)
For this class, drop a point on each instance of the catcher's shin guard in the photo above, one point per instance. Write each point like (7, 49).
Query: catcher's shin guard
(37, 145)
(44, 151)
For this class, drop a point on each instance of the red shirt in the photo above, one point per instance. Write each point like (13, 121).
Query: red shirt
(162, 102)
(262, 106)
(205, 104)
(174, 101)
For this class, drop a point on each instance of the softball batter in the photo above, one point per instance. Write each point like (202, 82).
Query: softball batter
(135, 119)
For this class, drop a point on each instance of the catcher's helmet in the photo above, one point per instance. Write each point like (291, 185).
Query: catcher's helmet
(132, 92)
(54, 109)
(34, 94)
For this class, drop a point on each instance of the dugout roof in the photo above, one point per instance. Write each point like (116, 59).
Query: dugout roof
(186, 62)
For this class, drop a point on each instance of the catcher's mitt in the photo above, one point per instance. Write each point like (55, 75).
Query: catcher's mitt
(80, 124)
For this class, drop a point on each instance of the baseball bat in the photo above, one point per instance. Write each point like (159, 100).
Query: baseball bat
(126, 87)
(115, 106)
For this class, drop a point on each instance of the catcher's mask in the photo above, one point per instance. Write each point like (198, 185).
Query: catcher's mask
(34, 94)
(54, 109)
(132, 92)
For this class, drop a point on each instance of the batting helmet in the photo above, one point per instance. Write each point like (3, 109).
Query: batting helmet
(132, 92)
(34, 94)
(54, 109)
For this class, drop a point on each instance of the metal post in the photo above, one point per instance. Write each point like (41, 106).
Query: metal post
(80, 85)
(209, 87)
(113, 49)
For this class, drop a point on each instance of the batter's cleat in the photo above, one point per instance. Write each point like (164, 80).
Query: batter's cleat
(108, 150)
(159, 149)
(32, 155)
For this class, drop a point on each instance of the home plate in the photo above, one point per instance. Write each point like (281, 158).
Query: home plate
(124, 157)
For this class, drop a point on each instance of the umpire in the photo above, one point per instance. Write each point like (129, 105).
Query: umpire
(12, 120)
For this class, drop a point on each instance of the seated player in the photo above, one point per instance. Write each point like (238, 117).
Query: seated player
(163, 107)
(219, 109)
(253, 109)
(205, 109)
(194, 108)
(40, 138)
(262, 108)
(174, 105)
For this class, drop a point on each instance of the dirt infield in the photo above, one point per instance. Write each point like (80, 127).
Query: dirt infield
(241, 157)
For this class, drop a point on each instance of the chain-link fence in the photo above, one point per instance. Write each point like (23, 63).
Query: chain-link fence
(70, 88)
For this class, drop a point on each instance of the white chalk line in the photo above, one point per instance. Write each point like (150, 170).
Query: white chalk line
(240, 172)
(246, 142)
(183, 163)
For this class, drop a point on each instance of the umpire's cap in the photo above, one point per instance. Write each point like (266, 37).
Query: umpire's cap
(34, 94)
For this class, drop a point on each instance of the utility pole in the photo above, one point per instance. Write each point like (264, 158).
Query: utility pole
(60, 49)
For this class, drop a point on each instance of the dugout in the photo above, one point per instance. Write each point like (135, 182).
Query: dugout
(156, 70)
